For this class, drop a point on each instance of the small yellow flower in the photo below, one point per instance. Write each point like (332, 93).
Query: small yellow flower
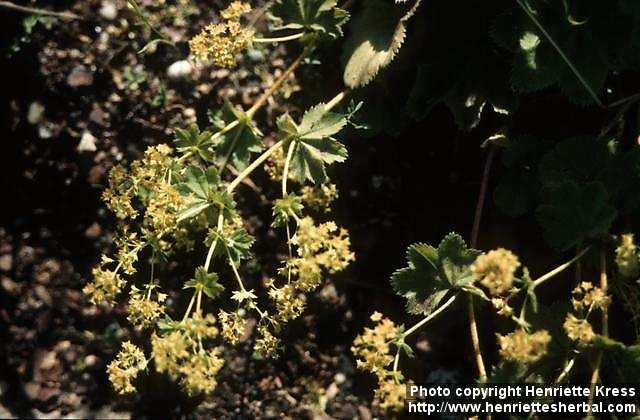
(124, 369)
(578, 329)
(233, 326)
(502, 307)
(235, 10)
(495, 270)
(627, 257)
(267, 345)
(319, 197)
(390, 394)
(586, 297)
(524, 347)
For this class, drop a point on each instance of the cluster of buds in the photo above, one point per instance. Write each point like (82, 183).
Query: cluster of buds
(222, 42)
(181, 353)
(125, 368)
(495, 270)
(524, 347)
(578, 330)
(373, 353)
(627, 257)
(586, 297)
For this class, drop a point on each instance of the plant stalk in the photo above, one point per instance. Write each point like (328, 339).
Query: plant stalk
(279, 39)
(429, 317)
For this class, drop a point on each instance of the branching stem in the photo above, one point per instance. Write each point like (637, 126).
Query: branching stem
(232, 186)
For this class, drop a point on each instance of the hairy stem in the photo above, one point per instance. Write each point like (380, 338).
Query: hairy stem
(537, 282)
(276, 85)
(212, 248)
(604, 285)
(429, 317)
(279, 39)
(475, 230)
(188, 311)
(565, 371)
(336, 100)
(564, 57)
(232, 186)
(43, 12)
(235, 272)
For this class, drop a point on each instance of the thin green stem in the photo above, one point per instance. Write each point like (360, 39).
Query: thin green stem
(336, 100)
(279, 39)
(231, 149)
(278, 83)
(537, 282)
(232, 186)
(285, 172)
(235, 272)
(604, 285)
(199, 300)
(212, 248)
(565, 371)
(566, 59)
(136, 8)
(188, 311)
(285, 177)
(429, 318)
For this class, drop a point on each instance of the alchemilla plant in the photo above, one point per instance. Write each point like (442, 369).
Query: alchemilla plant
(181, 194)
(184, 197)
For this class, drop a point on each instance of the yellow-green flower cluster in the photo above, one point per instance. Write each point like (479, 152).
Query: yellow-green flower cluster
(495, 270)
(143, 311)
(578, 330)
(290, 303)
(119, 195)
(124, 369)
(181, 354)
(627, 257)
(106, 285)
(221, 42)
(502, 307)
(267, 344)
(274, 166)
(372, 348)
(586, 297)
(524, 347)
(391, 393)
(319, 197)
(322, 246)
(233, 326)
(373, 353)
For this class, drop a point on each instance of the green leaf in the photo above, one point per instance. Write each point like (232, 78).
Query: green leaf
(580, 159)
(236, 244)
(284, 208)
(622, 362)
(207, 282)
(572, 213)
(205, 192)
(377, 34)
(314, 147)
(319, 16)
(518, 188)
(238, 143)
(432, 272)
(194, 142)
